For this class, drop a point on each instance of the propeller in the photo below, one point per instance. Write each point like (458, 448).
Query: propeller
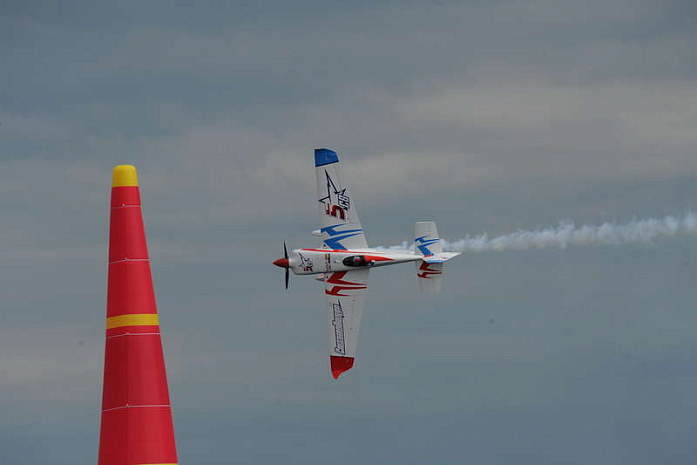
(283, 263)
(285, 255)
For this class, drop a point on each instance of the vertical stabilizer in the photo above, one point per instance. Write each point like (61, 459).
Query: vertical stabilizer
(430, 275)
(426, 238)
(430, 269)
(136, 414)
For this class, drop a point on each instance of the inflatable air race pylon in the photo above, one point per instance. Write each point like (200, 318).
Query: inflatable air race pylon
(136, 414)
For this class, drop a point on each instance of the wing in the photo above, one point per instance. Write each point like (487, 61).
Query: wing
(344, 291)
(341, 229)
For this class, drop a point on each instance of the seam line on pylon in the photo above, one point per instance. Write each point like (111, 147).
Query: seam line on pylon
(133, 334)
(135, 406)
(134, 205)
(130, 260)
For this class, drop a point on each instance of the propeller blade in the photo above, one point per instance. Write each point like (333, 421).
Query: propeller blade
(285, 255)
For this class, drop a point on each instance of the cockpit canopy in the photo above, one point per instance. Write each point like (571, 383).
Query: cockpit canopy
(357, 260)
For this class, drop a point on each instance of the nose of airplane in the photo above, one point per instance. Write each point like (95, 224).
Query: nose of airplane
(281, 263)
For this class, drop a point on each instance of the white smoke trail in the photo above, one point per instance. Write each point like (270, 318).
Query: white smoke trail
(567, 233)
(403, 247)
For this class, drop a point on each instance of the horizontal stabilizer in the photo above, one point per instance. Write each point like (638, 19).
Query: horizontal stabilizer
(440, 257)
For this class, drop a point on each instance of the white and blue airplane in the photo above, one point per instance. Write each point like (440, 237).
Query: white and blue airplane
(344, 260)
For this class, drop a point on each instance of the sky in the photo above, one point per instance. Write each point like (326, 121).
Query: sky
(485, 116)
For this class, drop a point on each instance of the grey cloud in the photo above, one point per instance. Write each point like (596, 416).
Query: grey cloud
(485, 116)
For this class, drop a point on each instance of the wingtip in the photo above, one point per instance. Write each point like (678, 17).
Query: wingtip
(340, 365)
(325, 157)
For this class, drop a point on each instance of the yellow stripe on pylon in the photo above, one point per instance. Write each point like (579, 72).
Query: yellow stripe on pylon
(124, 175)
(133, 319)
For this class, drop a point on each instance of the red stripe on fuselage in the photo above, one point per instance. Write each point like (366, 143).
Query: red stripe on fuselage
(368, 257)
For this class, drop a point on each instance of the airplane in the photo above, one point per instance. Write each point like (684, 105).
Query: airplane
(344, 260)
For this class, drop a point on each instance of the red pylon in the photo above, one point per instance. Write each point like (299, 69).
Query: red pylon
(136, 414)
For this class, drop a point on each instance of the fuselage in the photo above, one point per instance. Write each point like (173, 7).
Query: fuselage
(316, 261)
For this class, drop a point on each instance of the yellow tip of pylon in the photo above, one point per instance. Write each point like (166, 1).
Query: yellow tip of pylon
(124, 175)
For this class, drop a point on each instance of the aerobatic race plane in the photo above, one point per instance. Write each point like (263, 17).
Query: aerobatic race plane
(344, 260)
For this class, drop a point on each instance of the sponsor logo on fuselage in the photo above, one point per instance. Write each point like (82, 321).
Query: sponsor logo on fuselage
(305, 263)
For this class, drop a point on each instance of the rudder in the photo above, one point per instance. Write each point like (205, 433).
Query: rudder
(429, 275)
(428, 243)
(426, 238)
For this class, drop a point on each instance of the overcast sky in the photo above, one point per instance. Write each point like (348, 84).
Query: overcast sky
(485, 116)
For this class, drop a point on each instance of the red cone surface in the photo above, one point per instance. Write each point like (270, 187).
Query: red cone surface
(136, 415)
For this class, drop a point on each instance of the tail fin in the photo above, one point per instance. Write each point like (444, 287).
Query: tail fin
(426, 238)
(429, 275)
(431, 267)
